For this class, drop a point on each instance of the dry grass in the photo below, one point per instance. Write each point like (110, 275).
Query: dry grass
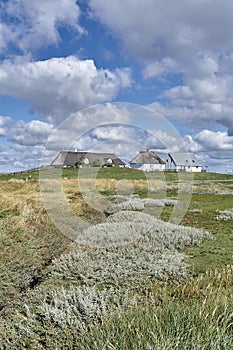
(115, 186)
(28, 238)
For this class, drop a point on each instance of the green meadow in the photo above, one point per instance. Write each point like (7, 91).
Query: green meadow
(133, 279)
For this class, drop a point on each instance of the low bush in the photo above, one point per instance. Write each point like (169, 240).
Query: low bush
(138, 204)
(225, 215)
(129, 248)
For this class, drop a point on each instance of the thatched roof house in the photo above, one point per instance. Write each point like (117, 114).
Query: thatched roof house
(75, 159)
(147, 161)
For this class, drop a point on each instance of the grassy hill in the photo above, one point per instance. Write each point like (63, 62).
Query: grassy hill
(173, 292)
(118, 174)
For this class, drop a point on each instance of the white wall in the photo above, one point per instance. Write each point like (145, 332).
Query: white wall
(185, 168)
(170, 165)
(148, 167)
(194, 169)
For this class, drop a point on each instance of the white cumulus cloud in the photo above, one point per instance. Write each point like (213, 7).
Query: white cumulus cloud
(216, 141)
(4, 120)
(154, 29)
(35, 24)
(58, 87)
(191, 39)
(33, 133)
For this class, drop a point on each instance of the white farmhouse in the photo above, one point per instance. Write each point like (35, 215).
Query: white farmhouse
(147, 161)
(186, 162)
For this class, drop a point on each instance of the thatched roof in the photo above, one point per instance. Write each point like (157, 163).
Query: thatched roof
(147, 157)
(69, 158)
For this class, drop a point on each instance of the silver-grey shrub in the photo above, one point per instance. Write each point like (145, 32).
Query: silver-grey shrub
(112, 234)
(137, 204)
(153, 255)
(225, 215)
(99, 277)
(165, 234)
(121, 266)
(76, 306)
(132, 204)
(150, 202)
(129, 216)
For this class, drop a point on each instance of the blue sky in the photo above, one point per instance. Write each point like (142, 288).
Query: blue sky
(60, 57)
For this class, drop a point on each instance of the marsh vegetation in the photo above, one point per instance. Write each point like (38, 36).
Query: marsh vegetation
(135, 281)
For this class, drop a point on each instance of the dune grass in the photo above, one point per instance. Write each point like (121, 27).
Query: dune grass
(196, 315)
